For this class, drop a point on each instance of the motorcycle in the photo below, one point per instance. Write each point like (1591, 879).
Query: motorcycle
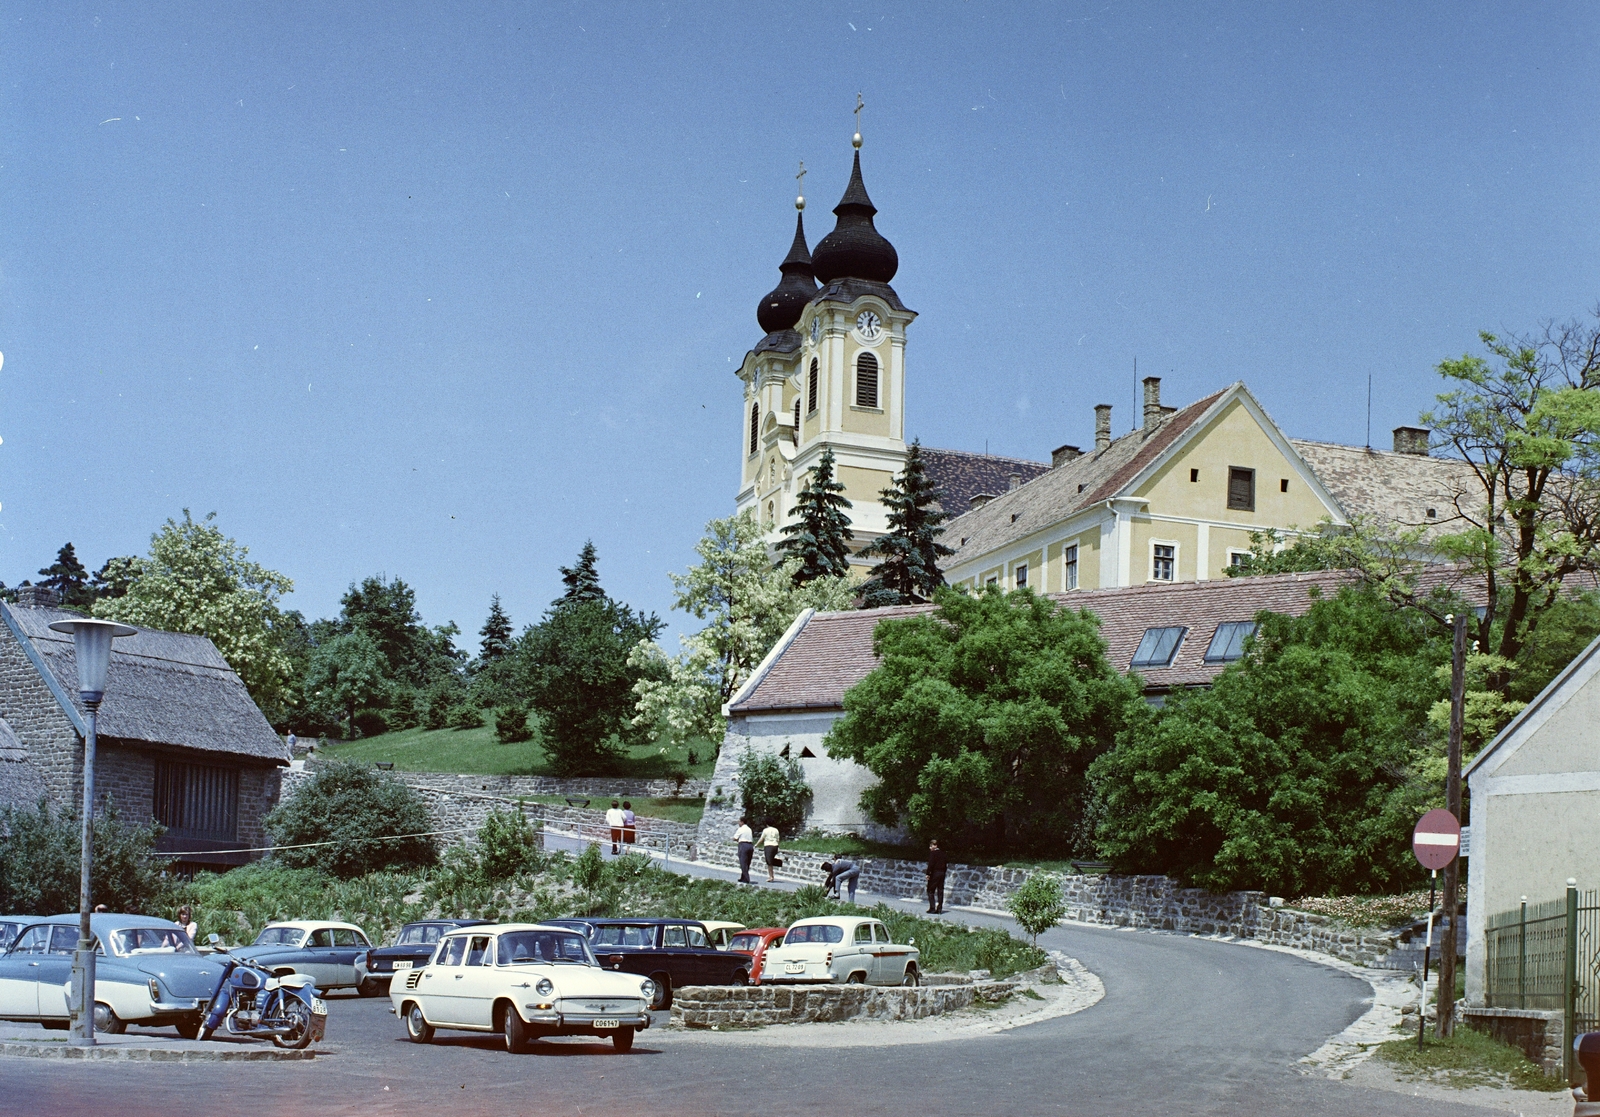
(252, 1002)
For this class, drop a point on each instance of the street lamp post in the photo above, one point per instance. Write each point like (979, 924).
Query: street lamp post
(91, 645)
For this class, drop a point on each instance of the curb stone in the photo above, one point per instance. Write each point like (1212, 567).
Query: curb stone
(169, 1051)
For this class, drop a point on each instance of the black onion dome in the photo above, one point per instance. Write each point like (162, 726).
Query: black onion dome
(855, 249)
(781, 308)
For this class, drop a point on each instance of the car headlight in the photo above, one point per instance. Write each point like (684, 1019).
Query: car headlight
(545, 987)
(647, 989)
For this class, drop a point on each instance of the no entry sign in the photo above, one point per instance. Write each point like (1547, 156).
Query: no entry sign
(1437, 839)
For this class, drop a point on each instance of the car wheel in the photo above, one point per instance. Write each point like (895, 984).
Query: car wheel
(298, 1017)
(741, 976)
(912, 978)
(106, 1021)
(622, 1040)
(369, 987)
(188, 1029)
(418, 1030)
(857, 978)
(513, 1028)
(663, 998)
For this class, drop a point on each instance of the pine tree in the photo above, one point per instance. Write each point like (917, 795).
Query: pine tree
(70, 579)
(582, 579)
(496, 633)
(911, 550)
(819, 534)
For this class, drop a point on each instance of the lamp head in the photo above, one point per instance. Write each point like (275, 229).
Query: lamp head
(91, 646)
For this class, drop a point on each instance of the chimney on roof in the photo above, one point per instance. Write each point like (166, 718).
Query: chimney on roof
(1102, 426)
(980, 499)
(1152, 403)
(1061, 455)
(39, 597)
(1412, 440)
(1016, 482)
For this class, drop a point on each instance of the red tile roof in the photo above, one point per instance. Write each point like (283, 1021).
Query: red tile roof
(834, 650)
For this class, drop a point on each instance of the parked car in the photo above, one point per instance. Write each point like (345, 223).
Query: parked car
(11, 926)
(756, 943)
(523, 980)
(721, 932)
(413, 946)
(147, 972)
(670, 952)
(334, 955)
(842, 949)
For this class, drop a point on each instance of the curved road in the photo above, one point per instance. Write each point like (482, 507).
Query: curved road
(1187, 1026)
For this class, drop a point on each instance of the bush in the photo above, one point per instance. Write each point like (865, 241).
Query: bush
(1037, 904)
(774, 791)
(466, 716)
(511, 725)
(351, 819)
(41, 862)
(508, 844)
(436, 706)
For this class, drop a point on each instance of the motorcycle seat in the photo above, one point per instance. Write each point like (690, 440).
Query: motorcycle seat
(290, 981)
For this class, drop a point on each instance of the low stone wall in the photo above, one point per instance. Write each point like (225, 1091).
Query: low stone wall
(512, 787)
(1287, 927)
(732, 1006)
(1539, 1035)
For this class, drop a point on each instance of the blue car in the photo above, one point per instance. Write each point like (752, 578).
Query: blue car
(11, 926)
(147, 972)
(334, 955)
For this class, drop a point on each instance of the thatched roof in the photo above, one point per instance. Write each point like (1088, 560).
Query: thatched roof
(163, 688)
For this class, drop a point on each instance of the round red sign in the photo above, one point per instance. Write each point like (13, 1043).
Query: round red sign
(1437, 839)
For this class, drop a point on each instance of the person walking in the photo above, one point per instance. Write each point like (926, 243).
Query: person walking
(747, 848)
(629, 822)
(769, 846)
(614, 821)
(936, 870)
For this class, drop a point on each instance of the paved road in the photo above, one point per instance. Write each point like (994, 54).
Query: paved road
(1187, 1026)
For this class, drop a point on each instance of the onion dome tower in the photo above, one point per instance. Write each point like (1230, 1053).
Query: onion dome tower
(855, 249)
(781, 307)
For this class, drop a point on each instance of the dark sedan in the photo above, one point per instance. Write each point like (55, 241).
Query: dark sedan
(412, 947)
(671, 952)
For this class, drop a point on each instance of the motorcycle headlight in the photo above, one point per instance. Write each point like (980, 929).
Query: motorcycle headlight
(647, 988)
(545, 987)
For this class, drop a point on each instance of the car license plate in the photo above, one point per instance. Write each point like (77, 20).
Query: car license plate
(607, 1022)
(795, 967)
(402, 966)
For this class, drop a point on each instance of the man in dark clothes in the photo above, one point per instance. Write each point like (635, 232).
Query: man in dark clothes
(936, 871)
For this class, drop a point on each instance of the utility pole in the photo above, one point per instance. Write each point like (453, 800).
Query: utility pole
(1445, 1019)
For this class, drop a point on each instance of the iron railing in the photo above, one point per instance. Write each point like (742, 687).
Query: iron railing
(1547, 956)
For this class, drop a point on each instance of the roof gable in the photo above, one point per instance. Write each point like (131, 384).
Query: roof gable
(163, 688)
(1550, 702)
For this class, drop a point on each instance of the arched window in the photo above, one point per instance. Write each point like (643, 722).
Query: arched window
(866, 380)
(811, 388)
(755, 426)
(797, 420)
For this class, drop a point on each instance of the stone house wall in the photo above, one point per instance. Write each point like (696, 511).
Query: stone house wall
(732, 1006)
(54, 750)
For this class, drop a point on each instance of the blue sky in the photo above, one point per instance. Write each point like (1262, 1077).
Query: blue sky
(443, 290)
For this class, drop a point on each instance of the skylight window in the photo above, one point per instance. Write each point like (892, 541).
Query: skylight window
(1158, 647)
(1228, 643)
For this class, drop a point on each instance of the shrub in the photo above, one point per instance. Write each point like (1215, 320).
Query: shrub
(466, 716)
(1037, 904)
(436, 704)
(511, 724)
(40, 862)
(774, 790)
(508, 844)
(351, 819)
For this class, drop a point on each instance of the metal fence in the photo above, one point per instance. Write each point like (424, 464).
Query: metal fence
(1547, 956)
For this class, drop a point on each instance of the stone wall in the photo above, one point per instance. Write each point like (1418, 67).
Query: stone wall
(732, 1006)
(55, 752)
(1537, 1034)
(1287, 927)
(512, 787)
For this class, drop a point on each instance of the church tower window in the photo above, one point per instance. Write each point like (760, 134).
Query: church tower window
(811, 389)
(797, 421)
(755, 426)
(866, 380)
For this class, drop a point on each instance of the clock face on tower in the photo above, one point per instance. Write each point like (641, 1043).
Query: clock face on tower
(816, 329)
(869, 326)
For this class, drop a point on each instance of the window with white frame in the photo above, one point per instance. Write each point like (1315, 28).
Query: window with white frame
(1163, 561)
(1238, 558)
(1069, 567)
(1021, 574)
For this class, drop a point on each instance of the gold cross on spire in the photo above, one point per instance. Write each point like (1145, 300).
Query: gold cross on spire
(855, 140)
(800, 190)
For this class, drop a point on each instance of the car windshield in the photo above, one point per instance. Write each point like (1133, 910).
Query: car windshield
(745, 942)
(631, 934)
(546, 947)
(423, 933)
(816, 932)
(151, 940)
(279, 936)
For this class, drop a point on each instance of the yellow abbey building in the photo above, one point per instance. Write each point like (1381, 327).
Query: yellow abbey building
(1174, 500)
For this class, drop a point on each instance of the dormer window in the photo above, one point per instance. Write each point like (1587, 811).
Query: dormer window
(866, 380)
(1158, 647)
(811, 389)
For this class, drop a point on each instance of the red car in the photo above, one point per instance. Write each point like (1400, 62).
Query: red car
(755, 943)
